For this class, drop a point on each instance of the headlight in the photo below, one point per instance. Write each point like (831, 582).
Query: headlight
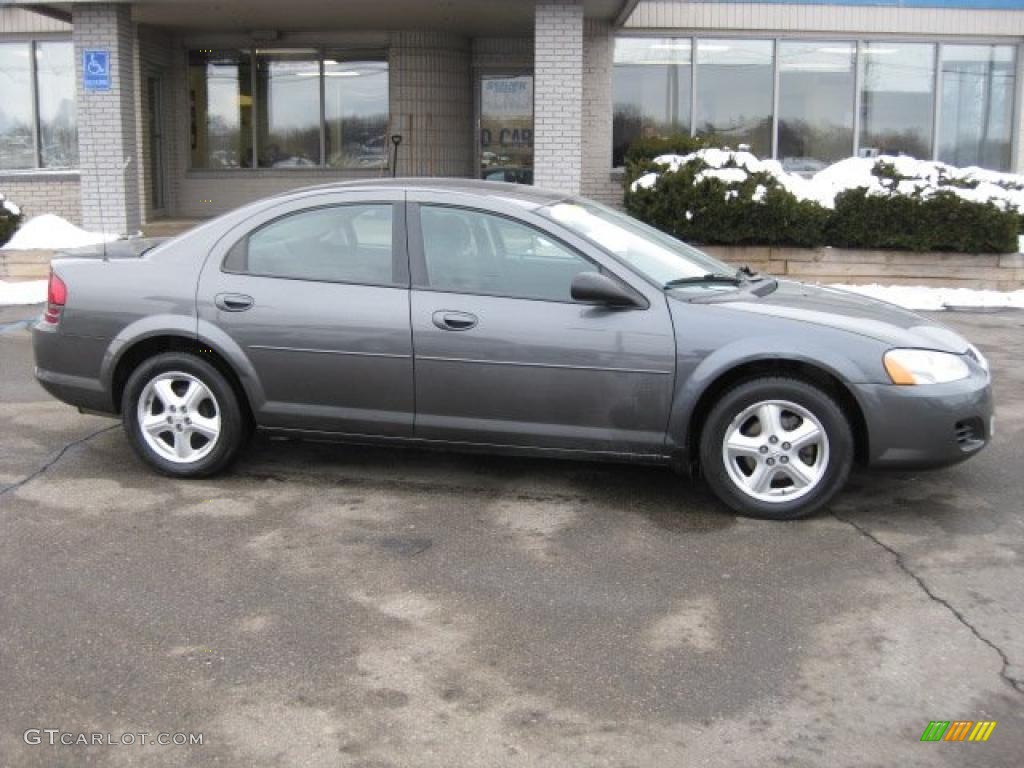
(924, 366)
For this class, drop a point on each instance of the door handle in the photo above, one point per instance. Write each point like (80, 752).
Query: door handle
(233, 302)
(448, 320)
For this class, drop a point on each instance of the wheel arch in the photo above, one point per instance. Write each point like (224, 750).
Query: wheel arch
(826, 379)
(142, 349)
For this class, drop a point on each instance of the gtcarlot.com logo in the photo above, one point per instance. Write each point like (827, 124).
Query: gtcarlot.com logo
(55, 737)
(958, 730)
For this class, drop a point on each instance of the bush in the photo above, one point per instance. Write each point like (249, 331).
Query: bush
(716, 196)
(10, 219)
(703, 208)
(639, 158)
(940, 222)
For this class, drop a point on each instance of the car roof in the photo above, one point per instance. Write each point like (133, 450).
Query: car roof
(522, 193)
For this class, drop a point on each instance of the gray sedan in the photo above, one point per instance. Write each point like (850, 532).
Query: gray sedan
(497, 317)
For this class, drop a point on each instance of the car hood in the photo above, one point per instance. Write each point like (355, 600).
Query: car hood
(846, 311)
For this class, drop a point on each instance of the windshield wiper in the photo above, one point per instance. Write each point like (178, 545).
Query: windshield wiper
(710, 277)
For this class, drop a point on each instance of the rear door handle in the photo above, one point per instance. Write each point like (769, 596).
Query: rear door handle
(448, 320)
(233, 302)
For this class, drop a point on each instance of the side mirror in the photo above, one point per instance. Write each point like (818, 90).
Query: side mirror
(595, 288)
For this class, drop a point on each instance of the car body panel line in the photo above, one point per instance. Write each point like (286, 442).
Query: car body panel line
(271, 348)
(604, 369)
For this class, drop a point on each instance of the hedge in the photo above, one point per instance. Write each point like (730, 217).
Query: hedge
(758, 210)
(9, 221)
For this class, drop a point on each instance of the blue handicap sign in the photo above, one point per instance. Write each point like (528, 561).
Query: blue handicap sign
(96, 70)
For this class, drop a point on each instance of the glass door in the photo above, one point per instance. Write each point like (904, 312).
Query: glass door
(506, 128)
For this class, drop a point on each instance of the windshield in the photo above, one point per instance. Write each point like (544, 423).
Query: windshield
(660, 257)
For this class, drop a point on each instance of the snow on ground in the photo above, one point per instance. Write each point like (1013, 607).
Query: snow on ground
(24, 292)
(51, 232)
(923, 298)
(923, 177)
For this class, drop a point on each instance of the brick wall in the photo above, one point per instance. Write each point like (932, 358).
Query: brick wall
(598, 57)
(107, 120)
(40, 193)
(432, 103)
(558, 95)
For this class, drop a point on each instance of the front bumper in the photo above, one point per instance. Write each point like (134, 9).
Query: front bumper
(918, 427)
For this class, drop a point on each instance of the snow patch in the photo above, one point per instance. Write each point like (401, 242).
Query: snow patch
(20, 293)
(920, 297)
(51, 232)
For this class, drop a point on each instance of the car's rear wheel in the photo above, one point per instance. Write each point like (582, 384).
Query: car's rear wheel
(182, 416)
(776, 448)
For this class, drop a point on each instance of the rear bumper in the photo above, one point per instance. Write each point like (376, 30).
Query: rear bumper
(927, 426)
(68, 368)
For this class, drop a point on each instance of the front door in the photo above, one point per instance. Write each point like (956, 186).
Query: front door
(506, 128)
(504, 356)
(317, 298)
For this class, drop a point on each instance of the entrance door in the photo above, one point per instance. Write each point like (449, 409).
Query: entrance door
(155, 114)
(506, 128)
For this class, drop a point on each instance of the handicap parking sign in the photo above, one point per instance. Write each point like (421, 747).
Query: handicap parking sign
(96, 70)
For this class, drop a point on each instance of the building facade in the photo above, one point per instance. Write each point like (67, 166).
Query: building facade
(116, 114)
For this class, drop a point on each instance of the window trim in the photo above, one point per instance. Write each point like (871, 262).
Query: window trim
(418, 257)
(340, 52)
(858, 40)
(399, 257)
(33, 40)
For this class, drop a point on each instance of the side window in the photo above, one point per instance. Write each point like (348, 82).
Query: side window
(343, 243)
(476, 252)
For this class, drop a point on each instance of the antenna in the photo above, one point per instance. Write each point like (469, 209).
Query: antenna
(99, 202)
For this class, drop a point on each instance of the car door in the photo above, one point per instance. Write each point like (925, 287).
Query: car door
(504, 356)
(316, 295)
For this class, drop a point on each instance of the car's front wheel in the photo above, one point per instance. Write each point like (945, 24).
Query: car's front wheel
(776, 448)
(182, 415)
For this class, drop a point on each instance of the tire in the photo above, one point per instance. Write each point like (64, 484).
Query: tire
(194, 443)
(762, 473)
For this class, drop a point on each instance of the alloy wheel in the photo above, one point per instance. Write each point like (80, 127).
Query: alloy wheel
(179, 417)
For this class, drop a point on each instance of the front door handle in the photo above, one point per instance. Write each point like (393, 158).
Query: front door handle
(233, 302)
(448, 320)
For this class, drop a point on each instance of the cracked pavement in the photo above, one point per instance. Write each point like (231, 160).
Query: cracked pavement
(345, 606)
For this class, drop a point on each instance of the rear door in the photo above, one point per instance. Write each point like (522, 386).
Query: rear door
(505, 356)
(316, 294)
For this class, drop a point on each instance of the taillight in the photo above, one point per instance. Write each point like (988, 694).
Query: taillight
(56, 298)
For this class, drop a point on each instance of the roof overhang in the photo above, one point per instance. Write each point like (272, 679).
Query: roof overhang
(487, 18)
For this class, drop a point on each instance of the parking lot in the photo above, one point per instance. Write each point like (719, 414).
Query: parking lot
(343, 606)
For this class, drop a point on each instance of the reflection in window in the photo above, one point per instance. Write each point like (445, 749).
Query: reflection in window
(735, 81)
(356, 111)
(343, 244)
(897, 98)
(476, 252)
(55, 78)
(288, 109)
(652, 90)
(17, 150)
(816, 83)
(977, 105)
(293, 89)
(220, 92)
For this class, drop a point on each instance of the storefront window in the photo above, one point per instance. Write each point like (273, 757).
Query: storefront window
(735, 82)
(897, 99)
(652, 89)
(16, 143)
(977, 105)
(288, 109)
(220, 94)
(55, 75)
(816, 85)
(41, 135)
(293, 89)
(356, 111)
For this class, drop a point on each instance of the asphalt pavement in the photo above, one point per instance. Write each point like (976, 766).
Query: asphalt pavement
(324, 605)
